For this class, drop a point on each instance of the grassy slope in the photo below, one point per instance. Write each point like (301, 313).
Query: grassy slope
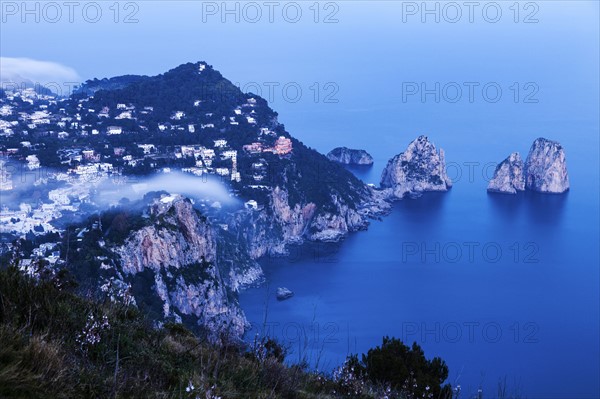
(56, 344)
(40, 356)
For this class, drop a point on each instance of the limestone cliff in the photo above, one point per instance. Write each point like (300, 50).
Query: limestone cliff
(418, 169)
(509, 176)
(270, 230)
(546, 167)
(176, 263)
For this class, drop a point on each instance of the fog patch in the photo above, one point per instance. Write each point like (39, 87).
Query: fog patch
(30, 71)
(207, 189)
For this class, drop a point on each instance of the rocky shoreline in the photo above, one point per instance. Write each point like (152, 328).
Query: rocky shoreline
(196, 268)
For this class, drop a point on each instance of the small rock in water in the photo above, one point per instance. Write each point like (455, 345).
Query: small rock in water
(350, 156)
(283, 293)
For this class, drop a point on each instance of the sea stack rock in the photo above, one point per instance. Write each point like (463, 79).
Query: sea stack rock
(418, 169)
(283, 293)
(348, 156)
(546, 167)
(509, 176)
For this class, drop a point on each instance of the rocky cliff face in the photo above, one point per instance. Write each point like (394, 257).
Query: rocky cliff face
(546, 167)
(349, 156)
(509, 176)
(336, 224)
(308, 222)
(418, 169)
(270, 230)
(178, 237)
(176, 264)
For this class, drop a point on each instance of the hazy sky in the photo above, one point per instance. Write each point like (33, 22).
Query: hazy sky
(349, 59)
(152, 36)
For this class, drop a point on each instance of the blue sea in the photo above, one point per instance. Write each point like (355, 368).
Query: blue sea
(503, 288)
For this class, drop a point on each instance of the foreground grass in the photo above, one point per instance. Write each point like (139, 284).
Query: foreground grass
(55, 344)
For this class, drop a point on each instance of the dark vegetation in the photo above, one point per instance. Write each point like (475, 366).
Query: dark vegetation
(306, 174)
(93, 85)
(56, 344)
(404, 368)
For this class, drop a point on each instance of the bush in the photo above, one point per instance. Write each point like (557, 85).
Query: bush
(405, 369)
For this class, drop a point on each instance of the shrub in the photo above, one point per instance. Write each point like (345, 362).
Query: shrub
(405, 369)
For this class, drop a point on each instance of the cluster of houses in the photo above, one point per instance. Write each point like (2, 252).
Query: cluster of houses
(88, 161)
(204, 158)
(282, 146)
(31, 220)
(45, 115)
(38, 218)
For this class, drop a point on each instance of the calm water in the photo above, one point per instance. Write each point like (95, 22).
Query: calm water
(498, 286)
(524, 305)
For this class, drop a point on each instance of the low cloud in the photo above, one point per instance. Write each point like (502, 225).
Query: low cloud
(207, 188)
(27, 70)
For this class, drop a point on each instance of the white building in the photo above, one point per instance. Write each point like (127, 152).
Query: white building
(147, 148)
(124, 115)
(114, 130)
(5, 110)
(33, 162)
(207, 153)
(193, 170)
(178, 115)
(267, 131)
(229, 154)
(220, 143)
(252, 204)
